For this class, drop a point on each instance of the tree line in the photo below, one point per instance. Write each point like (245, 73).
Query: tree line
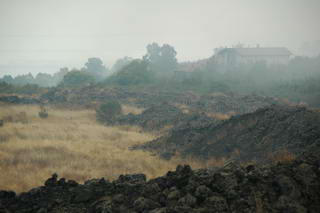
(159, 69)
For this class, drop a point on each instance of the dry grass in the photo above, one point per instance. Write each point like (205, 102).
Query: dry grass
(126, 109)
(216, 115)
(71, 143)
(282, 156)
(220, 116)
(184, 108)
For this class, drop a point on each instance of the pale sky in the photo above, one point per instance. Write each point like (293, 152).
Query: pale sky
(44, 35)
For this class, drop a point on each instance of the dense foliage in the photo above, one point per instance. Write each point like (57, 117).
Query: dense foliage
(121, 63)
(108, 111)
(41, 79)
(136, 73)
(161, 59)
(76, 78)
(28, 89)
(96, 69)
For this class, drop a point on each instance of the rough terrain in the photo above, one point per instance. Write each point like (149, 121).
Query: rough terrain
(252, 136)
(217, 102)
(286, 187)
(14, 99)
(154, 118)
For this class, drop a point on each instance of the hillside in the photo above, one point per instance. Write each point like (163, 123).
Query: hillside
(253, 136)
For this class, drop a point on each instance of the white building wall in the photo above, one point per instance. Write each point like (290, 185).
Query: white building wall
(267, 59)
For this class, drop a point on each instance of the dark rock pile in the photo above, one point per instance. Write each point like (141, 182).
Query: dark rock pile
(232, 103)
(288, 187)
(140, 98)
(221, 103)
(191, 128)
(155, 117)
(253, 136)
(13, 99)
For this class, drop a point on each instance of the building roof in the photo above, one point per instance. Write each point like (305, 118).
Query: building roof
(262, 51)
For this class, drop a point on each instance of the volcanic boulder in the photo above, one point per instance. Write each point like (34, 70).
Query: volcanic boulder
(287, 187)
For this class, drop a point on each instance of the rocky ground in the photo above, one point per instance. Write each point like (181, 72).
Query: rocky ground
(232, 103)
(285, 187)
(163, 115)
(14, 99)
(252, 136)
(221, 103)
(154, 118)
(258, 130)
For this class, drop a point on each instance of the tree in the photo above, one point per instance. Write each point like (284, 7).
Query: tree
(161, 59)
(44, 80)
(77, 78)
(6, 87)
(95, 67)
(58, 76)
(121, 63)
(24, 79)
(8, 79)
(135, 73)
(168, 58)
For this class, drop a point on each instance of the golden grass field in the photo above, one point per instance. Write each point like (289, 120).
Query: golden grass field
(72, 144)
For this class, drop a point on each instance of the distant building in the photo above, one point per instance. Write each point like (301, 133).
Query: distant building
(185, 70)
(243, 55)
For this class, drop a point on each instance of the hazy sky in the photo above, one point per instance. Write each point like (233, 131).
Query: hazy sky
(44, 35)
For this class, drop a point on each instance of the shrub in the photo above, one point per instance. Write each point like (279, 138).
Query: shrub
(43, 112)
(108, 111)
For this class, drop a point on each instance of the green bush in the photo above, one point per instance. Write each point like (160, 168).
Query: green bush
(108, 111)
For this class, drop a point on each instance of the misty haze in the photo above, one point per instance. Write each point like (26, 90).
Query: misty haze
(177, 106)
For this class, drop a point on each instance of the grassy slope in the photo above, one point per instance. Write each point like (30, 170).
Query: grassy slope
(71, 143)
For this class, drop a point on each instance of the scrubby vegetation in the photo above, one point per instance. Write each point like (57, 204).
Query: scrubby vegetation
(71, 143)
(148, 117)
(108, 111)
(43, 112)
(95, 120)
(159, 70)
(76, 78)
(134, 74)
(28, 89)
